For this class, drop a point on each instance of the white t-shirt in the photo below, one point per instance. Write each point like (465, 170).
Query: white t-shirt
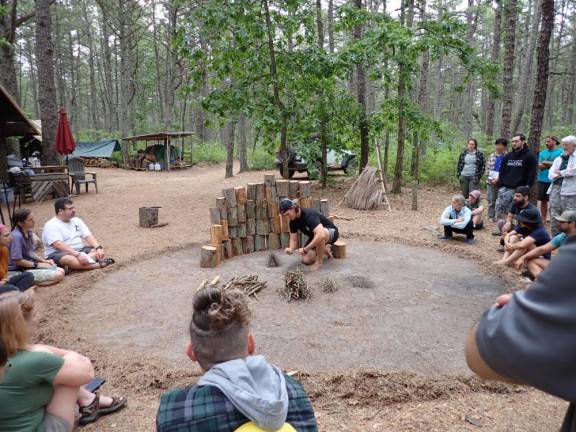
(71, 233)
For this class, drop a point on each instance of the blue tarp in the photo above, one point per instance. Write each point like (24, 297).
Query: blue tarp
(101, 149)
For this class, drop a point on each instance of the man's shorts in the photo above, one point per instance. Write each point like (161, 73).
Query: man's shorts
(543, 191)
(57, 256)
(332, 235)
(52, 423)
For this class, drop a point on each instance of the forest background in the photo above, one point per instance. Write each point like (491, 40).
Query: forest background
(251, 78)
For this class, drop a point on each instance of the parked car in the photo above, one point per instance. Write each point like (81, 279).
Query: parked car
(345, 161)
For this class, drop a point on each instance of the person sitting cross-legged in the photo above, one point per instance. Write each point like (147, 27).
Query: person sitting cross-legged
(237, 387)
(533, 260)
(457, 218)
(529, 234)
(68, 241)
(474, 204)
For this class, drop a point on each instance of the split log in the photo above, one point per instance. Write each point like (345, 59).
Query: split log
(227, 245)
(250, 209)
(317, 205)
(272, 260)
(285, 239)
(242, 230)
(241, 213)
(250, 226)
(262, 226)
(274, 241)
(285, 223)
(293, 189)
(305, 189)
(325, 207)
(225, 231)
(230, 195)
(275, 225)
(148, 216)
(214, 216)
(273, 210)
(306, 202)
(237, 246)
(261, 209)
(251, 191)
(221, 205)
(241, 196)
(282, 188)
(233, 216)
(160, 225)
(271, 194)
(209, 257)
(269, 179)
(220, 252)
(248, 244)
(216, 235)
(260, 191)
(259, 242)
(339, 249)
(233, 231)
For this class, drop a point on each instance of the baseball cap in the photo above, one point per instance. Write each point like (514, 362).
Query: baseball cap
(567, 216)
(285, 205)
(530, 216)
(476, 194)
(524, 190)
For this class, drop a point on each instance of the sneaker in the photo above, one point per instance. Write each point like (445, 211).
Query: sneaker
(443, 237)
(470, 241)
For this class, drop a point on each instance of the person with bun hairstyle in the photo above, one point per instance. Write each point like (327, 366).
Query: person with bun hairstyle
(21, 281)
(238, 388)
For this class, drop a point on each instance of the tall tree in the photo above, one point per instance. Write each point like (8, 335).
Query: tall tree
(494, 57)
(361, 95)
(510, 18)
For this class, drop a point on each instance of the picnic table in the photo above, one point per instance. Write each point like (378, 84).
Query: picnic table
(50, 181)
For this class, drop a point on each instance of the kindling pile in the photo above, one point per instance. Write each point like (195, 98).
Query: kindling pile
(247, 219)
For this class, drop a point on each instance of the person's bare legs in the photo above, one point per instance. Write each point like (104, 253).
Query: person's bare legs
(544, 210)
(478, 219)
(63, 403)
(513, 239)
(58, 277)
(73, 263)
(320, 249)
(309, 258)
(536, 266)
(85, 398)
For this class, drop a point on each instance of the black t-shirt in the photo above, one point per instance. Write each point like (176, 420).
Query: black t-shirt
(309, 219)
(517, 208)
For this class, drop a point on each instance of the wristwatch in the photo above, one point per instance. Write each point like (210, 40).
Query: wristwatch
(35, 265)
(98, 247)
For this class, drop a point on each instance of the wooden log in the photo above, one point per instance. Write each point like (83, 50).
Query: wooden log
(227, 245)
(270, 179)
(274, 241)
(220, 252)
(259, 242)
(241, 213)
(214, 216)
(250, 209)
(261, 209)
(216, 235)
(233, 231)
(305, 189)
(250, 227)
(306, 202)
(262, 226)
(293, 189)
(251, 191)
(209, 257)
(282, 188)
(225, 231)
(242, 230)
(285, 223)
(232, 217)
(221, 205)
(273, 210)
(230, 195)
(317, 206)
(285, 239)
(148, 216)
(241, 195)
(275, 225)
(260, 191)
(271, 195)
(248, 244)
(339, 249)
(325, 207)
(237, 247)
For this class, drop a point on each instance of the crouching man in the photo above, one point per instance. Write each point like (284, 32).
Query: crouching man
(457, 218)
(321, 233)
(237, 388)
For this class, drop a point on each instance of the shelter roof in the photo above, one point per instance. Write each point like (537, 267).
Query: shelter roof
(101, 149)
(160, 136)
(13, 121)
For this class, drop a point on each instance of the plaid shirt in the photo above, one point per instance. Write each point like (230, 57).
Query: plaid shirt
(206, 409)
(492, 163)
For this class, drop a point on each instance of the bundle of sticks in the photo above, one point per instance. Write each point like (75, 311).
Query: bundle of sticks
(248, 284)
(295, 287)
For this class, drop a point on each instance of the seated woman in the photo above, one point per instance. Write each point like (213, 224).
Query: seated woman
(22, 281)
(22, 255)
(44, 384)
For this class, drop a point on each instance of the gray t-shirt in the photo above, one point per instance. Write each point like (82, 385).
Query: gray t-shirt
(533, 338)
(469, 168)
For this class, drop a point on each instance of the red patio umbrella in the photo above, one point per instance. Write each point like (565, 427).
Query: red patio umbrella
(64, 140)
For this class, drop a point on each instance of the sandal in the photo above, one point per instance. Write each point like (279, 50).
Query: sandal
(105, 262)
(91, 413)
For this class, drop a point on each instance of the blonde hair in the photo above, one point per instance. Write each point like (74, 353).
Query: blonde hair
(15, 312)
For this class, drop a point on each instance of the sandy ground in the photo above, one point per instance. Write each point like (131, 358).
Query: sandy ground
(104, 315)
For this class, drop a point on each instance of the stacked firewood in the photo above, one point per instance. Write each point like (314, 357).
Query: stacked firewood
(295, 286)
(99, 162)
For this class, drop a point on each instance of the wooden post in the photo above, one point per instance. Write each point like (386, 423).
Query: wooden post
(285, 223)
(233, 216)
(233, 231)
(225, 232)
(269, 179)
(237, 246)
(250, 209)
(230, 195)
(220, 253)
(208, 257)
(250, 227)
(317, 205)
(148, 216)
(325, 207)
(261, 209)
(274, 241)
(262, 226)
(251, 191)
(242, 230)
(259, 242)
(339, 249)
(216, 235)
(248, 244)
(275, 225)
(273, 210)
(293, 189)
(306, 202)
(305, 189)
(241, 196)
(241, 213)
(260, 191)
(227, 245)
(282, 188)
(214, 215)
(271, 195)
(221, 205)
(167, 153)
(285, 239)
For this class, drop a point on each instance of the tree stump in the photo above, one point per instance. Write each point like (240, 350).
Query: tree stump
(237, 246)
(261, 209)
(325, 207)
(241, 213)
(233, 216)
(305, 189)
(225, 232)
(242, 230)
(259, 242)
(250, 209)
(209, 257)
(248, 244)
(306, 202)
(285, 239)
(214, 216)
(233, 231)
(216, 235)
(221, 205)
(241, 195)
(274, 241)
(260, 191)
(273, 210)
(317, 206)
(262, 226)
(251, 191)
(250, 226)
(339, 249)
(282, 188)
(220, 253)
(293, 189)
(230, 195)
(148, 216)
(285, 223)
(227, 245)
(275, 225)
(271, 194)
(269, 179)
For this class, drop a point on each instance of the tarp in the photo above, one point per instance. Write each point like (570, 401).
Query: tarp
(101, 149)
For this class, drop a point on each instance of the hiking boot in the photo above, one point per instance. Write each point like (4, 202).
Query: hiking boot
(470, 241)
(443, 237)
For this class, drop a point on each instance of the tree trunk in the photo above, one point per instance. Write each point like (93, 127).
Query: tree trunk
(468, 95)
(331, 25)
(571, 96)
(323, 120)
(243, 143)
(229, 133)
(543, 64)
(361, 95)
(423, 103)
(510, 18)
(494, 58)
(8, 27)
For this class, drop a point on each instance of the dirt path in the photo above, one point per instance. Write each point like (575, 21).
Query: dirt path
(93, 312)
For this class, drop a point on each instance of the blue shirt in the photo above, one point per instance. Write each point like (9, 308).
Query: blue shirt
(20, 248)
(547, 156)
(559, 240)
(498, 162)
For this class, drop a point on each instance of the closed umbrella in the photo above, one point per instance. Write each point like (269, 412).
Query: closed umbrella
(64, 140)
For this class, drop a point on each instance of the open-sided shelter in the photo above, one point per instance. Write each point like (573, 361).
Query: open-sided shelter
(168, 154)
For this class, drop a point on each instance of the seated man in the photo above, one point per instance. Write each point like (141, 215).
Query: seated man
(457, 218)
(320, 231)
(69, 242)
(520, 201)
(529, 234)
(533, 260)
(528, 337)
(237, 387)
(473, 203)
